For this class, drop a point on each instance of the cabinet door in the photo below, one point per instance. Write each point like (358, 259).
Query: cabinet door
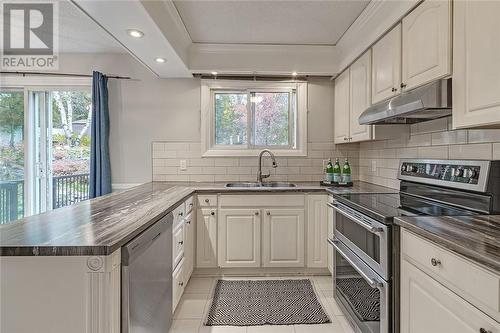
(189, 246)
(428, 306)
(206, 237)
(342, 109)
(476, 70)
(239, 238)
(427, 43)
(360, 97)
(386, 66)
(317, 227)
(283, 238)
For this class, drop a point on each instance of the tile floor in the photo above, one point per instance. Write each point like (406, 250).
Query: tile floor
(193, 308)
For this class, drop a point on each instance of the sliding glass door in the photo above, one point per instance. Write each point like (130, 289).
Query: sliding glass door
(44, 155)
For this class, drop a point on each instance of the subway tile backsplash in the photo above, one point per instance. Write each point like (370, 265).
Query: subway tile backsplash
(432, 140)
(168, 155)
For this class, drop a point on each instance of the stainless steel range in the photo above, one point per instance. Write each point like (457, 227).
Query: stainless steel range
(366, 242)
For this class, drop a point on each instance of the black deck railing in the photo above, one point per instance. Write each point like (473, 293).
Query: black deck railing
(11, 200)
(67, 190)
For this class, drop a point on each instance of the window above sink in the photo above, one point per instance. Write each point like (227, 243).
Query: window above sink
(240, 118)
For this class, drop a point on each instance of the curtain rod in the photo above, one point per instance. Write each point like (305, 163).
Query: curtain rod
(63, 74)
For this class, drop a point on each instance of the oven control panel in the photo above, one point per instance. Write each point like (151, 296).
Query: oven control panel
(466, 174)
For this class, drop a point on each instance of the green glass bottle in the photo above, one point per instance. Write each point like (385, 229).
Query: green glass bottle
(329, 171)
(336, 172)
(346, 172)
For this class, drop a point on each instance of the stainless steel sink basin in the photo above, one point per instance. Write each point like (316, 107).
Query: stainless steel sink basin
(268, 184)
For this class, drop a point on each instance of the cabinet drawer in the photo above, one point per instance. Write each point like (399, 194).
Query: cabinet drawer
(283, 200)
(207, 200)
(189, 205)
(177, 245)
(179, 212)
(472, 282)
(178, 284)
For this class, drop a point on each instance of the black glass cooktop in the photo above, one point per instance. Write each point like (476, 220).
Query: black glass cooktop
(387, 206)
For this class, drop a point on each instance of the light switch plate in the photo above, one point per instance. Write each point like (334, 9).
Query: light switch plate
(374, 166)
(183, 165)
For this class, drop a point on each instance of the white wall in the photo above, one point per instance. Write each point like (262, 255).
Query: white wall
(148, 109)
(141, 110)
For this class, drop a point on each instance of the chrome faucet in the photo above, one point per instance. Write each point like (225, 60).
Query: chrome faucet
(260, 176)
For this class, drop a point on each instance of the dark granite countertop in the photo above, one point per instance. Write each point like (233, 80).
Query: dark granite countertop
(101, 226)
(475, 237)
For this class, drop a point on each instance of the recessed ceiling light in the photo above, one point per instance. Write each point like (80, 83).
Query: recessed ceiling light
(135, 33)
(294, 74)
(214, 73)
(160, 60)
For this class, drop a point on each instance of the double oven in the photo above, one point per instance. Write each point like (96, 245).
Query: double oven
(363, 269)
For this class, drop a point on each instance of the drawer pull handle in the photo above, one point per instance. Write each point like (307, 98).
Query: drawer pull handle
(257, 213)
(268, 213)
(435, 262)
(181, 242)
(181, 213)
(212, 213)
(483, 330)
(188, 221)
(181, 284)
(207, 200)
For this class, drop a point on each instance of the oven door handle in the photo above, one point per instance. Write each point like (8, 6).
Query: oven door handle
(367, 226)
(372, 282)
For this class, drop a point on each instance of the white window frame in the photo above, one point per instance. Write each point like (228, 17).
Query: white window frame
(208, 90)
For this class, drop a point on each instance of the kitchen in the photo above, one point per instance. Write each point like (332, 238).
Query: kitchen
(222, 119)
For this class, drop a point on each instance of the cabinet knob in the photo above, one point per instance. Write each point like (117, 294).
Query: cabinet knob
(188, 221)
(181, 242)
(257, 213)
(346, 138)
(483, 330)
(435, 262)
(403, 85)
(181, 213)
(207, 200)
(268, 213)
(212, 213)
(181, 284)
(190, 205)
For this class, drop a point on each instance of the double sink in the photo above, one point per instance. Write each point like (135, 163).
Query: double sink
(262, 185)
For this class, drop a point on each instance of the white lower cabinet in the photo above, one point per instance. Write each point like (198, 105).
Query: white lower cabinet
(206, 237)
(428, 306)
(178, 283)
(444, 292)
(283, 238)
(239, 237)
(190, 243)
(317, 230)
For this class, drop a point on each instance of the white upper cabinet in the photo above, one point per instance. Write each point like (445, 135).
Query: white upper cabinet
(342, 109)
(360, 97)
(427, 43)
(239, 237)
(386, 66)
(476, 64)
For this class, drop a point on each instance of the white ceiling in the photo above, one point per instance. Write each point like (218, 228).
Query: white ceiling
(79, 34)
(313, 22)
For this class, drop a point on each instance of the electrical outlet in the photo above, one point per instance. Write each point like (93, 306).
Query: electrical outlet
(183, 165)
(374, 166)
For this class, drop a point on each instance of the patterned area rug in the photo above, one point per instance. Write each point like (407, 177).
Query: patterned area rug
(265, 302)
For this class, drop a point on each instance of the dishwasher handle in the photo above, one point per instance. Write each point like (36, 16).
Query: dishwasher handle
(136, 246)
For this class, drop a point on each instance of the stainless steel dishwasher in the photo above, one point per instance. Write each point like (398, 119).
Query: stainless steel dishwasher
(147, 280)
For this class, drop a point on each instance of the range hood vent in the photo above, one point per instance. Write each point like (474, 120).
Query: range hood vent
(428, 102)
